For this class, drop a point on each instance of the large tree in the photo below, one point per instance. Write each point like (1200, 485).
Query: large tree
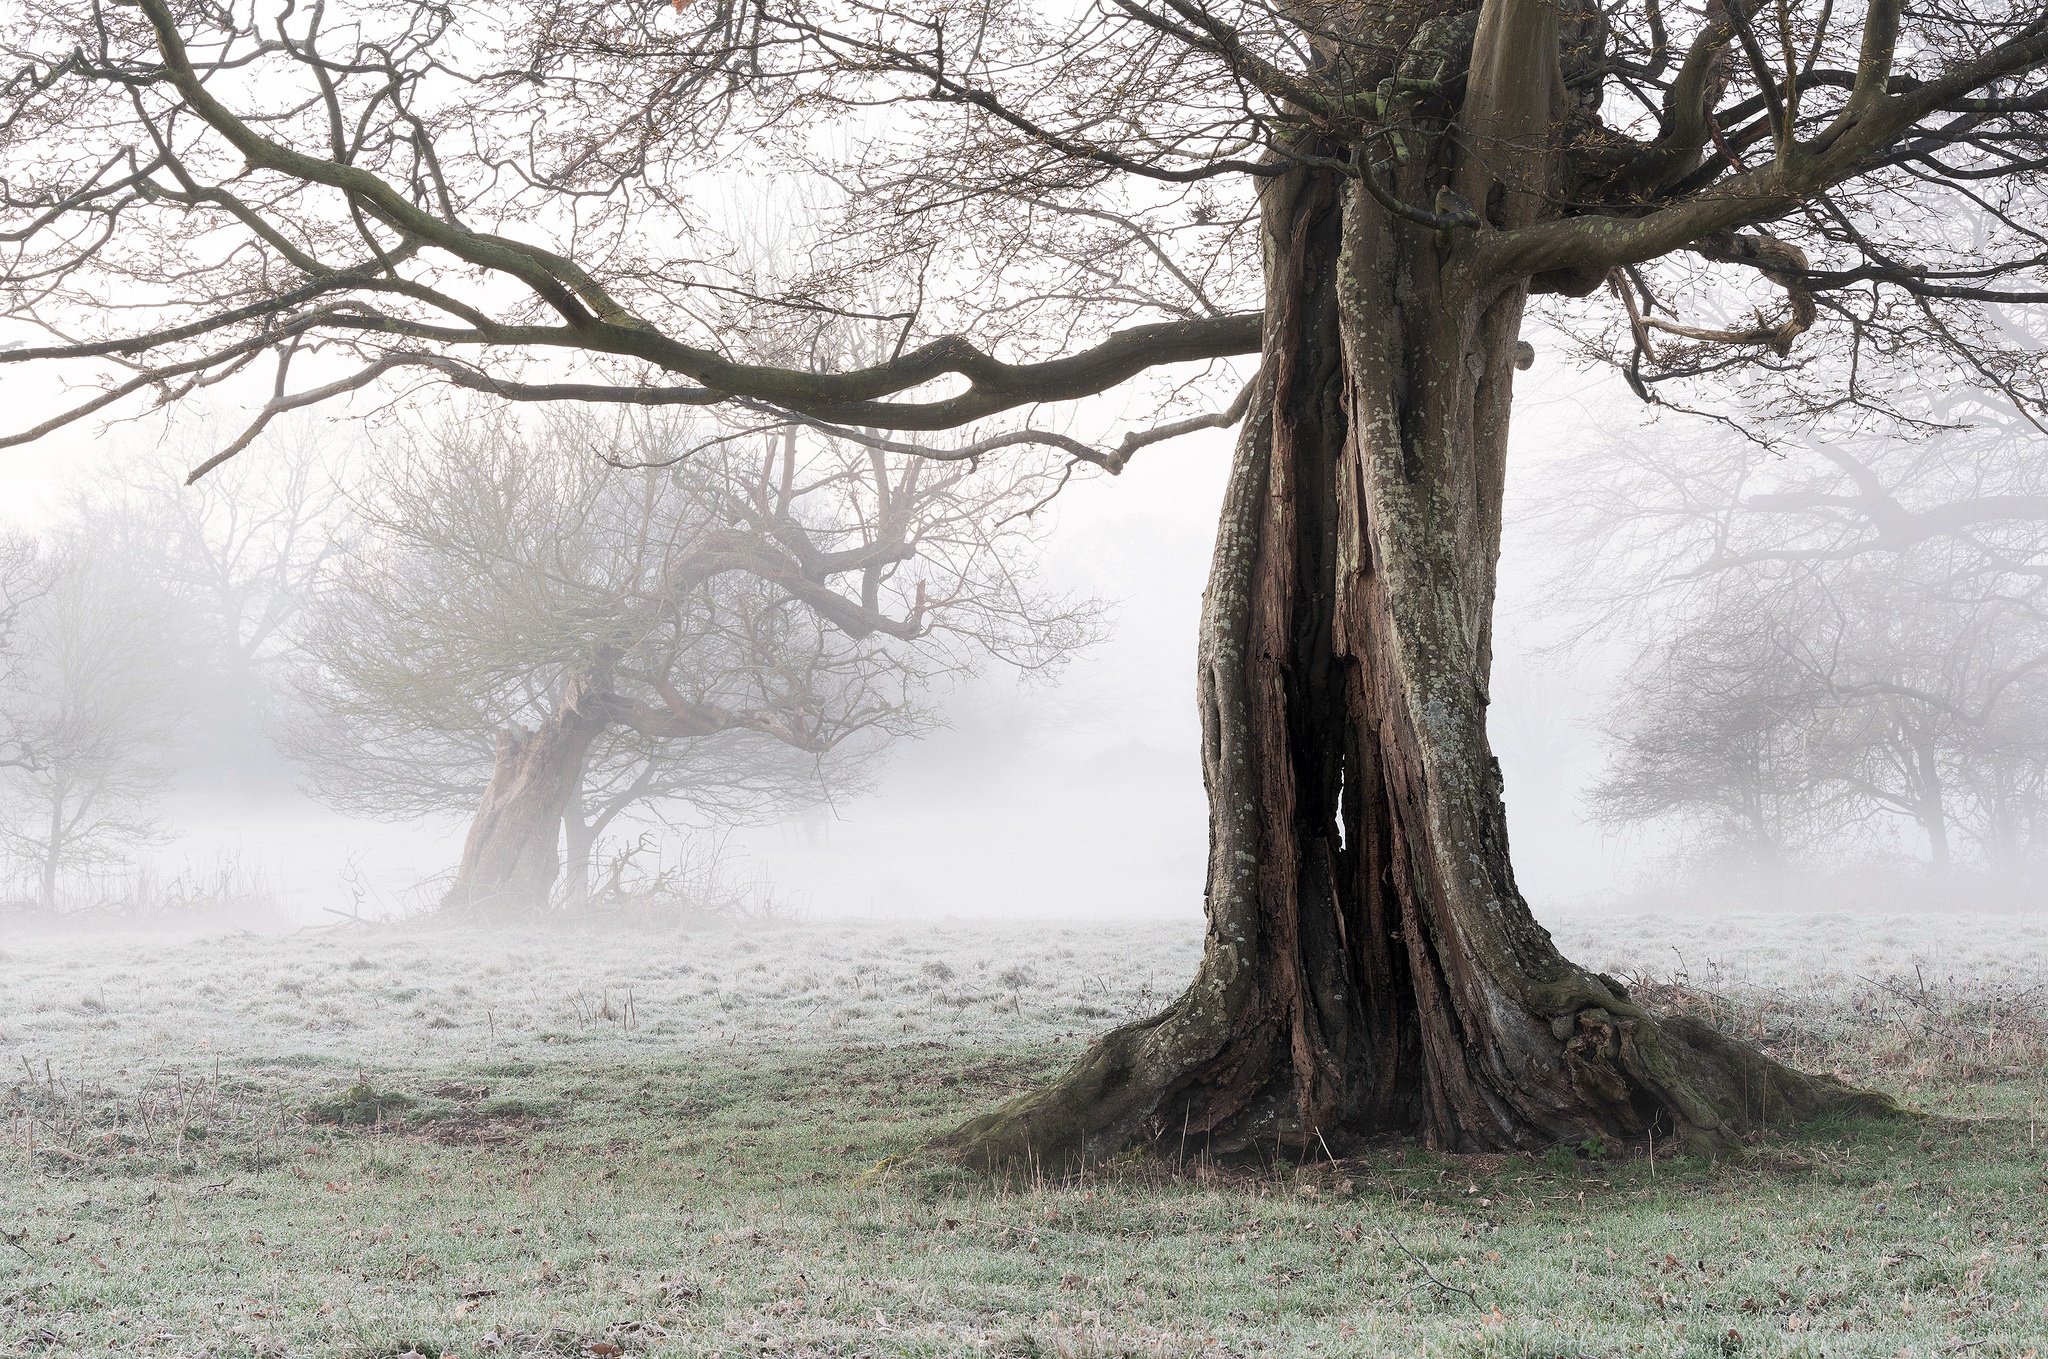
(92, 711)
(1365, 195)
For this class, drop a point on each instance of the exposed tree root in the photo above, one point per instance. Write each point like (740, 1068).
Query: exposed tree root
(1682, 1082)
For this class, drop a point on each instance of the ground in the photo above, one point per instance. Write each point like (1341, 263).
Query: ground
(682, 1141)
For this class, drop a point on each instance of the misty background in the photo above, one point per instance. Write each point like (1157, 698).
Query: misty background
(1084, 784)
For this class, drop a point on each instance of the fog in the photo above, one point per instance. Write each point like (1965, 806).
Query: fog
(1084, 784)
(1079, 785)
(1088, 790)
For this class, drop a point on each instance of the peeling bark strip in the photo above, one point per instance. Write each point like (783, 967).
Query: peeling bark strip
(1371, 967)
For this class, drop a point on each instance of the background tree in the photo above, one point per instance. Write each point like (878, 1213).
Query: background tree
(1712, 732)
(1366, 196)
(24, 580)
(93, 716)
(556, 624)
(1843, 638)
(233, 558)
(242, 555)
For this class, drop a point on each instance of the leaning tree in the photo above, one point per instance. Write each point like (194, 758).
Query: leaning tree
(548, 623)
(523, 201)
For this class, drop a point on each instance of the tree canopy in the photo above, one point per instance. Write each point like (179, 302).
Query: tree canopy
(1016, 205)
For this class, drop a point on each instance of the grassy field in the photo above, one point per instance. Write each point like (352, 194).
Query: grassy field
(582, 1154)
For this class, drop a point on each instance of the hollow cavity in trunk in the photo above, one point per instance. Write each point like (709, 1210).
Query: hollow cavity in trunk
(1370, 966)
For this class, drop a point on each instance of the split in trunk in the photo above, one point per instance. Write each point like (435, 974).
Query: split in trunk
(1370, 966)
(512, 855)
(531, 815)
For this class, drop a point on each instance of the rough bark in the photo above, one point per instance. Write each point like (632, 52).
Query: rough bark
(512, 855)
(1370, 966)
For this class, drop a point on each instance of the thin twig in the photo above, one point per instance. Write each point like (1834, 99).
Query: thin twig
(1423, 1265)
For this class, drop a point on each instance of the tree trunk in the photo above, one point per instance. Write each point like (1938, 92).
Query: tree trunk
(582, 829)
(512, 856)
(579, 842)
(1933, 806)
(53, 853)
(1370, 966)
